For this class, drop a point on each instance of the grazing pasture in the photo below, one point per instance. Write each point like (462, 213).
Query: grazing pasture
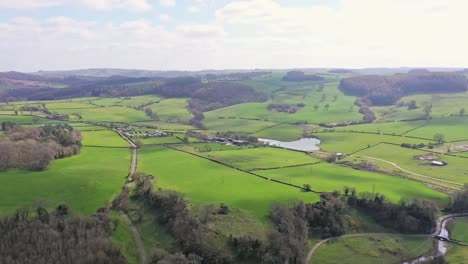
(453, 128)
(350, 142)
(340, 107)
(281, 132)
(329, 177)
(204, 181)
(236, 124)
(260, 158)
(86, 181)
(455, 171)
(107, 114)
(172, 110)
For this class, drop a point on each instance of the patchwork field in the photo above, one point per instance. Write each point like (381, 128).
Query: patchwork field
(85, 182)
(172, 110)
(260, 158)
(340, 107)
(281, 132)
(329, 177)
(455, 171)
(107, 114)
(204, 182)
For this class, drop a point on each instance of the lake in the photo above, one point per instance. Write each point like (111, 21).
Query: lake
(303, 144)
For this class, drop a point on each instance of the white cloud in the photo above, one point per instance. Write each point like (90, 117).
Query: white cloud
(26, 4)
(248, 34)
(165, 18)
(193, 9)
(133, 5)
(201, 31)
(167, 3)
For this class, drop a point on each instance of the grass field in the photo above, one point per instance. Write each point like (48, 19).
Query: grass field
(349, 142)
(443, 105)
(455, 171)
(329, 177)
(263, 157)
(108, 114)
(203, 182)
(341, 108)
(55, 106)
(236, 124)
(173, 110)
(161, 140)
(86, 181)
(104, 138)
(133, 101)
(396, 128)
(162, 125)
(281, 132)
(453, 128)
(369, 250)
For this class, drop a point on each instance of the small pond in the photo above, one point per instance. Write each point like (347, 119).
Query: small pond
(303, 144)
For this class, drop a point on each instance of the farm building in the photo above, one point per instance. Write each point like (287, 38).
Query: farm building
(438, 163)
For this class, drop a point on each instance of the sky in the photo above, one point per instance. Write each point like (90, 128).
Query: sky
(231, 34)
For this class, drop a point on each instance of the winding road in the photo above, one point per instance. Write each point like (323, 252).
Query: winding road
(439, 226)
(133, 169)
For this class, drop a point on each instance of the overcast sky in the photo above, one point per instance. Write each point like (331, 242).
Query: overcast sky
(226, 34)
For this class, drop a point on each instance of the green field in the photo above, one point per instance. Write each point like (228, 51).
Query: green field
(204, 181)
(443, 105)
(281, 132)
(455, 171)
(172, 110)
(108, 114)
(86, 181)
(263, 157)
(453, 128)
(340, 109)
(236, 124)
(105, 138)
(330, 177)
(376, 249)
(133, 101)
(392, 128)
(53, 106)
(349, 142)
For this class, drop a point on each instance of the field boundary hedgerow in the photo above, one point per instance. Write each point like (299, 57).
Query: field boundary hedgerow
(284, 167)
(242, 170)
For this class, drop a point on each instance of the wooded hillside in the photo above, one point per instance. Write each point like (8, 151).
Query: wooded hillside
(385, 90)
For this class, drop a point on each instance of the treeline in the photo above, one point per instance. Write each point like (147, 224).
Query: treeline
(300, 76)
(174, 214)
(415, 216)
(34, 148)
(285, 108)
(385, 90)
(215, 95)
(39, 236)
(236, 76)
(460, 201)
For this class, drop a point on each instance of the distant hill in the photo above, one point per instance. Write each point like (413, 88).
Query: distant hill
(385, 90)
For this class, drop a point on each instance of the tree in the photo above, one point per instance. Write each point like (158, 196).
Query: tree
(307, 187)
(327, 106)
(35, 119)
(316, 107)
(428, 111)
(412, 105)
(440, 138)
(324, 97)
(462, 111)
